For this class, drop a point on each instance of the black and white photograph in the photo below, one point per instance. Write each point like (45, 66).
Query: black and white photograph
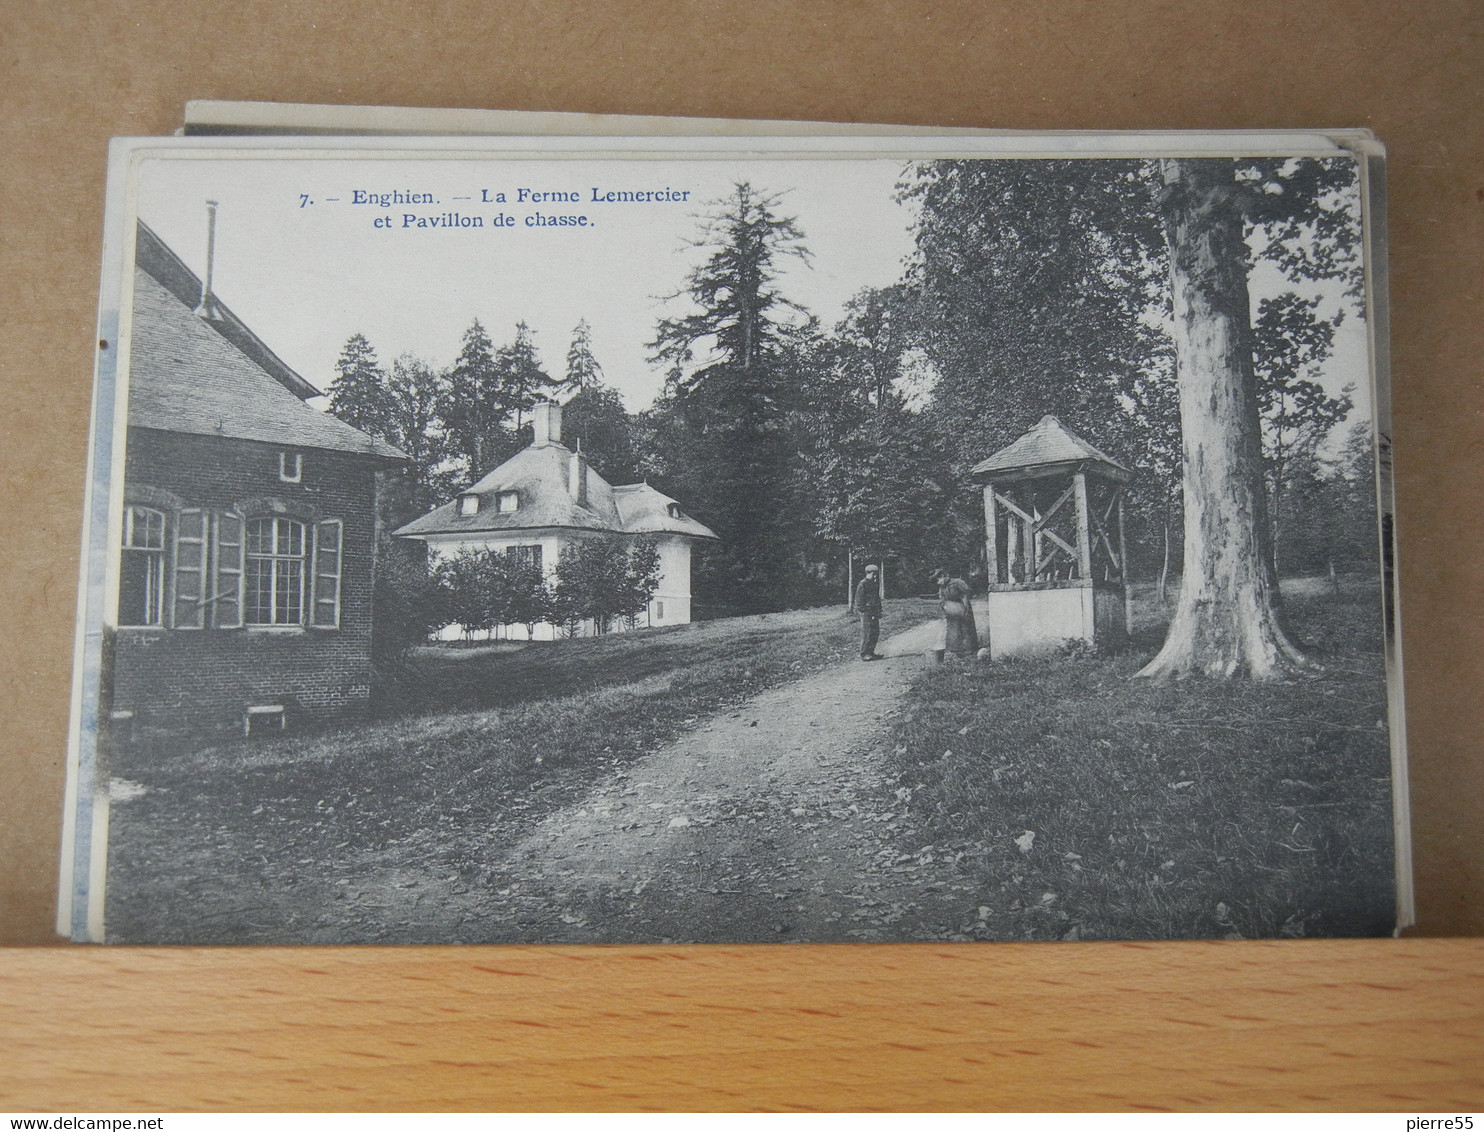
(804, 541)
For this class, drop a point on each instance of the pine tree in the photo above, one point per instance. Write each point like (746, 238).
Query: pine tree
(359, 394)
(595, 416)
(583, 370)
(474, 405)
(522, 380)
(721, 431)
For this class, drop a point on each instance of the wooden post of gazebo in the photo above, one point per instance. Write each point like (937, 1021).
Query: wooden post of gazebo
(1055, 505)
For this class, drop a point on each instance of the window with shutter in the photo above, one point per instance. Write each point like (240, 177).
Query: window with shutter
(327, 566)
(229, 568)
(189, 605)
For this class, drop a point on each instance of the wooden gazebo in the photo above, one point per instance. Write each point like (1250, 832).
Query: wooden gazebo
(1054, 542)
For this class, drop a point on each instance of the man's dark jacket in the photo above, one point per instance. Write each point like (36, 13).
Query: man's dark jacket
(868, 597)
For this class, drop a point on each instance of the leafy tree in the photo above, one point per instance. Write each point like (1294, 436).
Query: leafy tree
(871, 467)
(1035, 282)
(519, 592)
(1290, 345)
(1228, 620)
(601, 580)
(1040, 287)
(409, 604)
(467, 582)
(359, 394)
(583, 370)
(1333, 513)
(641, 579)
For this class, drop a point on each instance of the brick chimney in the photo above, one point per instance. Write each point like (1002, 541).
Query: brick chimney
(546, 424)
(207, 307)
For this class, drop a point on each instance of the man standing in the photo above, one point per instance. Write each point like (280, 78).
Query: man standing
(868, 605)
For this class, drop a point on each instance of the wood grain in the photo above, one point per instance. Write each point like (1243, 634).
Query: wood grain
(1305, 1024)
(1386, 1025)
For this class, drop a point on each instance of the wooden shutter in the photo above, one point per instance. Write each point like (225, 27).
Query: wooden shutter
(228, 581)
(325, 609)
(188, 604)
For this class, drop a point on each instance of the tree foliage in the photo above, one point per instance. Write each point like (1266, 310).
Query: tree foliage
(603, 581)
(583, 370)
(522, 380)
(1290, 345)
(473, 404)
(359, 394)
(722, 434)
(595, 417)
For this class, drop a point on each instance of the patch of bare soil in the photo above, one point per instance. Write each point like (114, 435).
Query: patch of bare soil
(769, 822)
(773, 822)
(775, 819)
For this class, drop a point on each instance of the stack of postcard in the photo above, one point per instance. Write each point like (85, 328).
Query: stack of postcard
(567, 529)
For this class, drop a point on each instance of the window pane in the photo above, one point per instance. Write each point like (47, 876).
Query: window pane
(257, 589)
(287, 607)
(154, 530)
(142, 567)
(144, 528)
(260, 536)
(139, 587)
(273, 581)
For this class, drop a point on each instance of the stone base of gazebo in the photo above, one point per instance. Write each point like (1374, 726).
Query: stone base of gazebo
(1038, 619)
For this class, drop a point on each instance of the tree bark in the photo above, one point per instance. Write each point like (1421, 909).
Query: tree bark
(1228, 620)
(1164, 566)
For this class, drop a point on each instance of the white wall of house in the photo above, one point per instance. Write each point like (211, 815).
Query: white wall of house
(671, 604)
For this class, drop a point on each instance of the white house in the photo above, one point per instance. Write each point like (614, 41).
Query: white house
(547, 496)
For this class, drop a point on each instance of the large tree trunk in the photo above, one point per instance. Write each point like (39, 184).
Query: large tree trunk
(1228, 620)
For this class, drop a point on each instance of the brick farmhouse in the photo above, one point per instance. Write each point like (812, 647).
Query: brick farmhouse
(247, 553)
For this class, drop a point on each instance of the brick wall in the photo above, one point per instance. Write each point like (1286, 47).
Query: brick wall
(195, 678)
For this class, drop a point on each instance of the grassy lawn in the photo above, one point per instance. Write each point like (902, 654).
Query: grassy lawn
(1095, 806)
(517, 732)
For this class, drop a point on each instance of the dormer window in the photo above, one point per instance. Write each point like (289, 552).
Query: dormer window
(290, 467)
(469, 504)
(507, 501)
(673, 510)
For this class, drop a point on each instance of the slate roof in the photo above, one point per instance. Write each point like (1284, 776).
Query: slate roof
(155, 256)
(1047, 444)
(540, 475)
(187, 375)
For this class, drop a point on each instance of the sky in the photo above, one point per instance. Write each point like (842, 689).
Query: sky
(306, 266)
(306, 276)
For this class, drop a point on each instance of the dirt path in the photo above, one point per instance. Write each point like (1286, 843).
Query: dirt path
(774, 822)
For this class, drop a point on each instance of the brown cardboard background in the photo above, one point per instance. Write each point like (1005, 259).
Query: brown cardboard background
(76, 74)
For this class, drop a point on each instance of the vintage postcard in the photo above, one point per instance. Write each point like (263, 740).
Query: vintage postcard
(735, 539)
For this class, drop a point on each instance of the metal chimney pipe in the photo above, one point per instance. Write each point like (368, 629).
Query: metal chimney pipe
(207, 307)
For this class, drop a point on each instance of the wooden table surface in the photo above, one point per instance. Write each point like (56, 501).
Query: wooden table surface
(1374, 1025)
(1303, 1024)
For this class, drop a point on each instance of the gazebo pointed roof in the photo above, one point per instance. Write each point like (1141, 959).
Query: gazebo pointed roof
(1048, 448)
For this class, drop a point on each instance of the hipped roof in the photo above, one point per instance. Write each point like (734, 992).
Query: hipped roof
(1048, 447)
(540, 475)
(187, 374)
